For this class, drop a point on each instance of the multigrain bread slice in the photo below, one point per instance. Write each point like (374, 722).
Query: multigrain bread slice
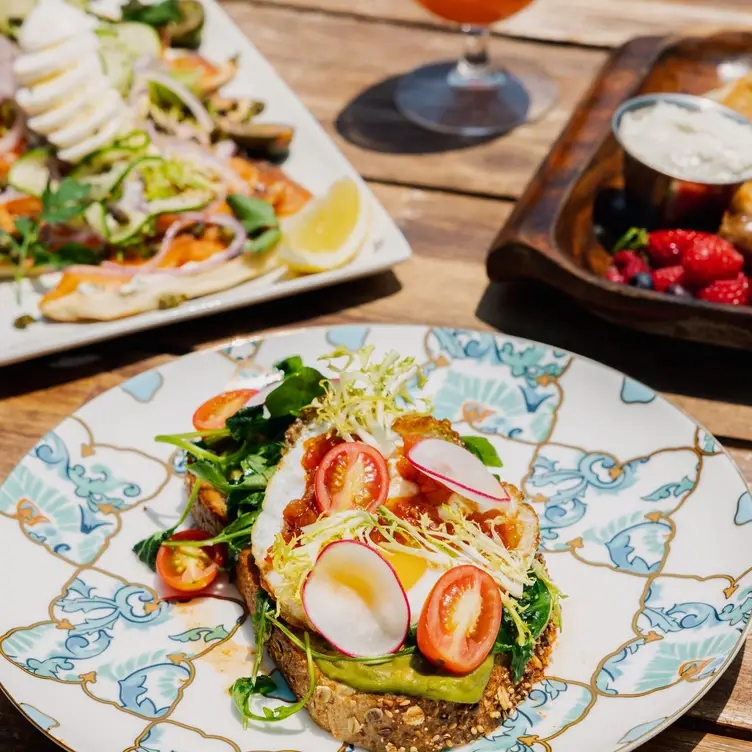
(396, 723)
(380, 722)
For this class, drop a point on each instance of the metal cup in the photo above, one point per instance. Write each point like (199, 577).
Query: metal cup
(660, 199)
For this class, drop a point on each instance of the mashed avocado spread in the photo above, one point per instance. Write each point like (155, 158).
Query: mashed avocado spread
(411, 675)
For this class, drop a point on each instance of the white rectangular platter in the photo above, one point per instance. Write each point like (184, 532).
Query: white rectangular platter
(314, 161)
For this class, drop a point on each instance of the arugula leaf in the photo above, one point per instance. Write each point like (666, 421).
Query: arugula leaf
(295, 393)
(261, 628)
(210, 472)
(291, 365)
(519, 657)
(153, 15)
(246, 422)
(237, 535)
(536, 608)
(484, 450)
(243, 689)
(240, 502)
(147, 549)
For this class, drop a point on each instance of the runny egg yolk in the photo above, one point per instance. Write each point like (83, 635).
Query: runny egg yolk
(409, 569)
(354, 583)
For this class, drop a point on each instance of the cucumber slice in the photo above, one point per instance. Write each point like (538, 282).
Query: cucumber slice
(125, 149)
(188, 201)
(138, 39)
(117, 63)
(96, 217)
(104, 184)
(30, 173)
(118, 233)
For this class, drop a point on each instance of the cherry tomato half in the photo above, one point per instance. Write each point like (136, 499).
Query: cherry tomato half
(351, 475)
(460, 620)
(189, 568)
(214, 412)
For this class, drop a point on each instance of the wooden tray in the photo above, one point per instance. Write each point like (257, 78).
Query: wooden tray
(551, 234)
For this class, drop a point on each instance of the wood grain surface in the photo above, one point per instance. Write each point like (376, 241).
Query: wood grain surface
(349, 87)
(450, 198)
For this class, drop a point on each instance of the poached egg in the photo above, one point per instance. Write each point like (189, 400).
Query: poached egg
(417, 574)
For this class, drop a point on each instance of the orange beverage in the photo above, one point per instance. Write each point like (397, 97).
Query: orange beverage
(475, 12)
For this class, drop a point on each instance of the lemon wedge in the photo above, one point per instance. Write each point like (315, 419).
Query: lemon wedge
(328, 232)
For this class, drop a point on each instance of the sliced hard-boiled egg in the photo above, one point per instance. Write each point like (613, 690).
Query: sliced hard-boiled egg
(354, 599)
(88, 122)
(64, 91)
(37, 66)
(51, 120)
(459, 470)
(98, 141)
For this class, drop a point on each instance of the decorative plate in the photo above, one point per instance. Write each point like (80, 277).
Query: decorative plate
(314, 161)
(645, 524)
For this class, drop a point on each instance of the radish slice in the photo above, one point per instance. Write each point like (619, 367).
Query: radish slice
(459, 470)
(354, 599)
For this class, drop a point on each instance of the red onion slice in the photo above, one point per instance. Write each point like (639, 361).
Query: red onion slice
(459, 470)
(192, 218)
(10, 194)
(189, 99)
(355, 600)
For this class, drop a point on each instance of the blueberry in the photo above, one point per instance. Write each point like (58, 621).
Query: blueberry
(643, 280)
(679, 291)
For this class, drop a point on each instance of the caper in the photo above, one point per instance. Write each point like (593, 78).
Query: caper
(171, 300)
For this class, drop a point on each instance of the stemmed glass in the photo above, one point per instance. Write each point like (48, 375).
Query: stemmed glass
(474, 97)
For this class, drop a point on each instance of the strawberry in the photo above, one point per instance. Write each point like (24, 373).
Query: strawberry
(729, 291)
(708, 258)
(669, 275)
(630, 263)
(614, 275)
(666, 247)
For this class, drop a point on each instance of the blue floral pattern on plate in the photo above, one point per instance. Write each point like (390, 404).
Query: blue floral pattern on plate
(118, 641)
(612, 513)
(552, 706)
(68, 491)
(678, 638)
(106, 653)
(495, 384)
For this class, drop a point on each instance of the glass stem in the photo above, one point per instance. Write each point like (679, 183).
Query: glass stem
(475, 64)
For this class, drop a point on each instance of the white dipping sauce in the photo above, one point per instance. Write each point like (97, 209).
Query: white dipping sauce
(704, 146)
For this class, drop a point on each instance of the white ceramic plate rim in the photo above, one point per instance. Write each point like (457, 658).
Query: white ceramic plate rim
(291, 332)
(384, 248)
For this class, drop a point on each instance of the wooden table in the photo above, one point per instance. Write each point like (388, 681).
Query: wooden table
(342, 58)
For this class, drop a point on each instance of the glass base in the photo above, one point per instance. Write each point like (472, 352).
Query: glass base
(439, 98)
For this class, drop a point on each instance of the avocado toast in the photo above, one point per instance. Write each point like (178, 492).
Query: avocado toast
(403, 614)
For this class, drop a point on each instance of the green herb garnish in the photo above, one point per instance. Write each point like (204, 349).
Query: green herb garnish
(59, 206)
(535, 609)
(484, 450)
(146, 550)
(156, 15)
(259, 220)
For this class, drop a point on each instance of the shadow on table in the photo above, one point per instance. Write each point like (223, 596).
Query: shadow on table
(532, 310)
(372, 121)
